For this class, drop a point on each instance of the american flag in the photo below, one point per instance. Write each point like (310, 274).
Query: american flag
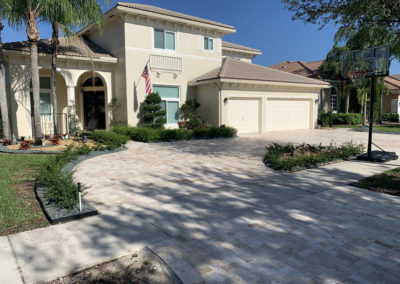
(146, 75)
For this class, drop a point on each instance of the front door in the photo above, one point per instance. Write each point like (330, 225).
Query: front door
(94, 110)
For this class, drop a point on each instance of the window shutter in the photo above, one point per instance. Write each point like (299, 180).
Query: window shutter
(200, 42)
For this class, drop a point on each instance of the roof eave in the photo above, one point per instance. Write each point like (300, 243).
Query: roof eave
(242, 50)
(132, 11)
(259, 82)
(60, 56)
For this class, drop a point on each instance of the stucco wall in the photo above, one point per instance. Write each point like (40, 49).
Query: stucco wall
(238, 55)
(208, 97)
(387, 102)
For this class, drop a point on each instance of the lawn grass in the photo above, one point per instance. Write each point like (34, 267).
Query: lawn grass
(388, 128)
(19, 209)
(386, 182)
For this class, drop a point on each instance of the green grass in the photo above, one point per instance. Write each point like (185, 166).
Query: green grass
(389, 128)
(387, 182)
(345, 126)
(19, 209)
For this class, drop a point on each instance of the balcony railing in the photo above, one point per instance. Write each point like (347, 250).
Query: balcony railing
(46, 121)
(166, 62)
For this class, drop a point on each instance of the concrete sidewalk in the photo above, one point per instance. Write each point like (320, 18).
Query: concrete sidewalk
(215, 213)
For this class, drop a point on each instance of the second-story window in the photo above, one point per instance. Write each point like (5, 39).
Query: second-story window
(208, 43)
(164, 39)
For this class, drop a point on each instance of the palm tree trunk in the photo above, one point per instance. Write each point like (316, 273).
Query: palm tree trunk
(380, 106)
(54, 49)
(3, 94)
(33, 37)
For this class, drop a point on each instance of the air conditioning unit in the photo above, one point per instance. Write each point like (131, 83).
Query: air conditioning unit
(396, 106)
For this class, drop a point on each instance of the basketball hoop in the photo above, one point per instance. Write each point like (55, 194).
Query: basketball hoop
(357, 77)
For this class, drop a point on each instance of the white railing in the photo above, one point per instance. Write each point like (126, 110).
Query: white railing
(46, 121)
(166, 62)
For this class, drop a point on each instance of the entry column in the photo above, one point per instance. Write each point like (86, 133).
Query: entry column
(71, 109)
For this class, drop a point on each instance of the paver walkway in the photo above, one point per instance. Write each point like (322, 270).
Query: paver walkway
(215, 213)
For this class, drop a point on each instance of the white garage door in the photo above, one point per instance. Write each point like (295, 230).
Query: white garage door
(287, 114)
(243, 114)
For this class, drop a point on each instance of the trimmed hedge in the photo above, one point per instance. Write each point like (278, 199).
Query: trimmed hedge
(144, 134)
(329, 118)
(110, 139)
(393, 117)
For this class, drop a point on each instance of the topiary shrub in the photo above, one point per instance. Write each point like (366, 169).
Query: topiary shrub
(189, 113)
(153, 115)
(393, 117)
(110, 139)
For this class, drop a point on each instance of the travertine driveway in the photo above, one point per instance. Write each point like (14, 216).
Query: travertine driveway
(215, 213)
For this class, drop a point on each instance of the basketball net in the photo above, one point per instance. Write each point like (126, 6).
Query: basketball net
(357, 77)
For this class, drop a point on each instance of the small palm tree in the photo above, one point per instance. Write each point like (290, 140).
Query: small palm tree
(63, 14)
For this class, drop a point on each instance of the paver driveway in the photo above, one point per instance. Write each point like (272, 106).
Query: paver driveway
(215, 213)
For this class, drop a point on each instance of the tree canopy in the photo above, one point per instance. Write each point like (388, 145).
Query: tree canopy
(348, 13)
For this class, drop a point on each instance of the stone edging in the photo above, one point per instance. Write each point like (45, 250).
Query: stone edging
(4, 149)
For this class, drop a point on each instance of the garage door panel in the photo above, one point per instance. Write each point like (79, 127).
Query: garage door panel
(244, 114)
(284, 114)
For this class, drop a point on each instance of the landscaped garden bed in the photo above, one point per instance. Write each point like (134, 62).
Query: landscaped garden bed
(56, 188)
(290, 157)
(386, 182)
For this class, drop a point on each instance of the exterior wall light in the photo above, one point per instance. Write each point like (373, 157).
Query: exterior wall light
(226, 100)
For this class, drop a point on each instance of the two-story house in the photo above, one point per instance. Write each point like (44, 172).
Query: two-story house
(186, 57)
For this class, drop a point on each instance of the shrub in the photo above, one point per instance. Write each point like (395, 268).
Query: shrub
(153, 115)
(60, 186)
(393, 117)
(145, 134)
(326, 119)
(347, 118)
(174, 134)
(110, 139)
(288, 156)
(190, 114)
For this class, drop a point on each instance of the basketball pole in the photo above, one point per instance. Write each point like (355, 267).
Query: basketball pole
(371, 116)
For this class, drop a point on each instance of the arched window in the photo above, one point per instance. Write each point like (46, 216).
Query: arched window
(334, 99)
(97, 82)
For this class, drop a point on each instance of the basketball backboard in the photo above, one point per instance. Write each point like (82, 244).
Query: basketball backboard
(373, 61)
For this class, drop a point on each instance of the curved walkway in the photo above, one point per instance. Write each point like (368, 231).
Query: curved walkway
(215, 213)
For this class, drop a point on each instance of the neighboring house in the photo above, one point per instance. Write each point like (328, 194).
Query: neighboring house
(334, 99)
(391, 102)
(186, 58)
(329, 99)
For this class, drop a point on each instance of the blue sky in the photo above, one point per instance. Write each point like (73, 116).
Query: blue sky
(265, 25)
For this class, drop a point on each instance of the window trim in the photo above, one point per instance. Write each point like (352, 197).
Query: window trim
(213, 43)
(42, 90)
(165, 38)
(336, 99)
(178, 99)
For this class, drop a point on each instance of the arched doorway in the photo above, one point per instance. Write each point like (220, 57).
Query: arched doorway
(94, 103)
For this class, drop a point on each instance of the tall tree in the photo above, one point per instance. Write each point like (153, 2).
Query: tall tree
(29, 12)
(64, 14)
(4, 8)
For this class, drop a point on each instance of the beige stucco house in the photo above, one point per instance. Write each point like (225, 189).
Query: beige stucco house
(186, 57)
